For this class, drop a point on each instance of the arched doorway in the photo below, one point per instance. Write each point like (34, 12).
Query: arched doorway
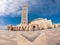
(34, 28)
(11, 28)
(54, 26)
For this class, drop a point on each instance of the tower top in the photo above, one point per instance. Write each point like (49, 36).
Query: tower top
(25, 5)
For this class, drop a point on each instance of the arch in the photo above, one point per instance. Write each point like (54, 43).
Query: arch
(42, 28)
(49, 27)
(8, 28)
(11, 28)
(19, 28)
(34, 27)
(14, 28)
(28, 28)
(58, 25)
(54, 26)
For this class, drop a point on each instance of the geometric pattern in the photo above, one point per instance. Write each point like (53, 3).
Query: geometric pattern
(30, 36)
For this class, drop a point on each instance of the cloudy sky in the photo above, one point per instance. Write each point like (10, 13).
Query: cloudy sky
(10, 11)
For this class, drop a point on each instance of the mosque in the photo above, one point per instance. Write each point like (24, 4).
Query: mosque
(37, 24)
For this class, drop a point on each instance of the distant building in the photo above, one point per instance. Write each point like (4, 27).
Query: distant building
(56, 25)
(37, 24)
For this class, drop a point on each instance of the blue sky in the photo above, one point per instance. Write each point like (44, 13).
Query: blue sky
(10, 10)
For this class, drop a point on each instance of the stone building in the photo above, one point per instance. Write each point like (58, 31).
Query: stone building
(37, 24)
(56, 25)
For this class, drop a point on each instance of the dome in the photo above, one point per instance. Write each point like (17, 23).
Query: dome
(38, 19)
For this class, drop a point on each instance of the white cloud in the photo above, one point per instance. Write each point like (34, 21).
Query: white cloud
(10, 6)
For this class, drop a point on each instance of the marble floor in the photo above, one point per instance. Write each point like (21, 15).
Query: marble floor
(44, 37)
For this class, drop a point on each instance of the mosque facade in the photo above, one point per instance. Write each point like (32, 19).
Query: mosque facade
(37, 24)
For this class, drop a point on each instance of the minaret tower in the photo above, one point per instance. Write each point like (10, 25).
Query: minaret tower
(24, 18)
